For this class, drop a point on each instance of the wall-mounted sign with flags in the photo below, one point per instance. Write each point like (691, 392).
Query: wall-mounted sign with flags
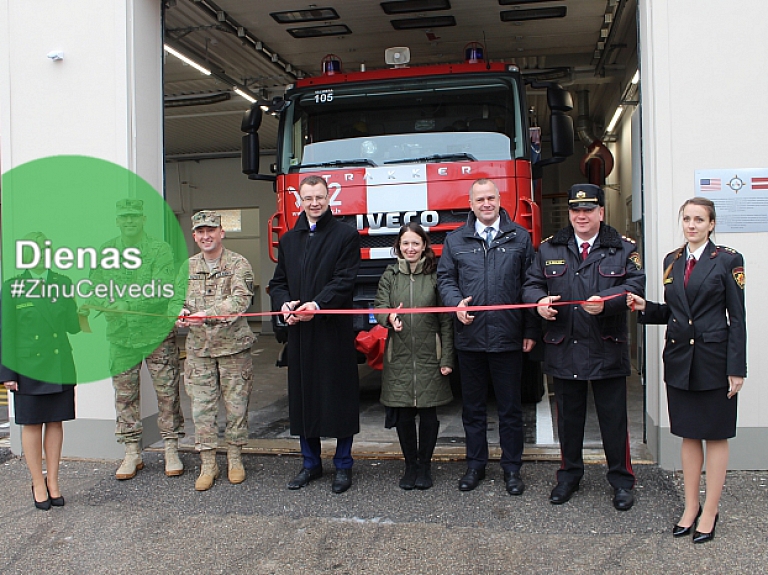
(740, 197)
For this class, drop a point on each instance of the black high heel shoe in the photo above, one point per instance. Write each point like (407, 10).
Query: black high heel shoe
(680, 531)
(55, 501)
(699, 537)
(43, 505)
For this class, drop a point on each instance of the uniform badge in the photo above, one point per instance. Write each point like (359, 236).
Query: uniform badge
(668, 281)
(739, 277)
(554, 263)
(634, 257)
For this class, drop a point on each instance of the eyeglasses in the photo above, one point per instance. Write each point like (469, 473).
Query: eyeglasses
(311, 199)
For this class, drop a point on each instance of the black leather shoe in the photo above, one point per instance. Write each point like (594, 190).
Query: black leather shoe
(699, 537)
(514, 483)
(563, 492)
(623, 499)
(471, 479)
(305, 476)
(55, 501)
(42, 505)
(342, 480)
(680, 531)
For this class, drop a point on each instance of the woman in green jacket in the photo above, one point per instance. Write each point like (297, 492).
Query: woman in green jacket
(419, 353)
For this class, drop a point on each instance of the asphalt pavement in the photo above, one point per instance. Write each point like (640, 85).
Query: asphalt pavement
(156, 524)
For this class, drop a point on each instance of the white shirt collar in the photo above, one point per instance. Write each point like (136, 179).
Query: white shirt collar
(43, 276)
(590, 241)
(697, 254)
(480, 227)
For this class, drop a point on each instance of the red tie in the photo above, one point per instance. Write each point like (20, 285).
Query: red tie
(689, 265)
(584, 250)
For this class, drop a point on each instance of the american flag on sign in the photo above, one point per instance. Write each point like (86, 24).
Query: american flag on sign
(709, 184)
(760, 183)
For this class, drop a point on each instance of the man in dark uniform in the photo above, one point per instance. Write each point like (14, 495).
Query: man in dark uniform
(317, 265)
(588, 261)
(484, 263)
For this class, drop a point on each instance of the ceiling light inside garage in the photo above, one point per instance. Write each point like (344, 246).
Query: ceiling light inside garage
(187, 60)
(243, 94)
(315, 31)
(311, 15)
(406, 6)
(416, 23)
(533, 14)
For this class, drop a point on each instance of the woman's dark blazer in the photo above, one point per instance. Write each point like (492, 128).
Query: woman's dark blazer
(706, 339)
(38, 329)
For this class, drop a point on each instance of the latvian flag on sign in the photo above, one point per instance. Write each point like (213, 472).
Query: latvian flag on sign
(710, 184)
(760, 183)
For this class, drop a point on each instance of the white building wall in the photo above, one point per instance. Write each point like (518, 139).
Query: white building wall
(703, 107)
(104, 100)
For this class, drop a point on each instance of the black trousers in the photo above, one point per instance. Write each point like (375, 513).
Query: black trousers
(610, 397)
(503, 370)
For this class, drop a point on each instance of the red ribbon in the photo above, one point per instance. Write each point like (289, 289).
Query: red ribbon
(397, 310)
(414, 310)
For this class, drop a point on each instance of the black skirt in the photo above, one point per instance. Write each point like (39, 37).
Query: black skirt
(36, 409)
(702, 414)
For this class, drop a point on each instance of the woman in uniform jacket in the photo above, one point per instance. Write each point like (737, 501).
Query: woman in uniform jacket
(419, 353)
(704, 357)
(37, 366)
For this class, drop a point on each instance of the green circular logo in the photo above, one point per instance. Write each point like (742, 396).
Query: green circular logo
(91, 261)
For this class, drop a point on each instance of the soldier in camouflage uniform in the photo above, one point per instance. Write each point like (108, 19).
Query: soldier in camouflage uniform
(219, 282)
(134, 337)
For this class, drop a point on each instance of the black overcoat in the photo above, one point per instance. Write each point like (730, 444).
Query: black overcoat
(35, 331)
(706, 339)
(323, 385)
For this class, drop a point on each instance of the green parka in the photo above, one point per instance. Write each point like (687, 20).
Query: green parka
(414, 356)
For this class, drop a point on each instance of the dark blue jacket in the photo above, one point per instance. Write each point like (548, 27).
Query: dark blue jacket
(491, 276)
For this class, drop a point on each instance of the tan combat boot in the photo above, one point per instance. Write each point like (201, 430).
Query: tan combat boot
(236, 472)
(173, 465)
(131, 463)
(209, 470)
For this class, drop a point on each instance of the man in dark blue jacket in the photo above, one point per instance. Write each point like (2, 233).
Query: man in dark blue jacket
(484, 263)
(588, 261)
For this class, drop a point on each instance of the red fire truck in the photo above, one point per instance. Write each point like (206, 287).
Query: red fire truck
(405, 143)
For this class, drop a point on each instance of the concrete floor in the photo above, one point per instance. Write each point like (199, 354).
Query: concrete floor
(268, 419)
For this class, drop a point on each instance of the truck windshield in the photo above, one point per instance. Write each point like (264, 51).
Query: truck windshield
(419, 120)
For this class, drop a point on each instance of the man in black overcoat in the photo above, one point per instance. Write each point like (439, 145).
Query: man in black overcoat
(316, 268)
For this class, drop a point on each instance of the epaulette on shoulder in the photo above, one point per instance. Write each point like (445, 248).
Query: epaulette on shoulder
(545, 240)
(628, 239)
(726, 249)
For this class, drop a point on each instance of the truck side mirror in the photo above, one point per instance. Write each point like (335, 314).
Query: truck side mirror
(561, 129)
(560, 123)
(249, 155)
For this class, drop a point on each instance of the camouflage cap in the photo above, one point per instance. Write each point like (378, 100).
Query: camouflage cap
(130, 207)
(207, 218)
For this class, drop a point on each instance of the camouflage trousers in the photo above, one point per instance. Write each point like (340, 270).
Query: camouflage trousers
(207, 379)
(163, 366)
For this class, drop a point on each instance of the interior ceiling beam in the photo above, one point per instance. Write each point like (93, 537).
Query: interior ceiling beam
(216, 14)
(617, 14)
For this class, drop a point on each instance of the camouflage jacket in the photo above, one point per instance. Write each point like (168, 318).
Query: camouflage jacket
(157, 269)
(225, 291)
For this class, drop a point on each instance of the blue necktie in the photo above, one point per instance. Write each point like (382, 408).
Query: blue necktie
(488, 235)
